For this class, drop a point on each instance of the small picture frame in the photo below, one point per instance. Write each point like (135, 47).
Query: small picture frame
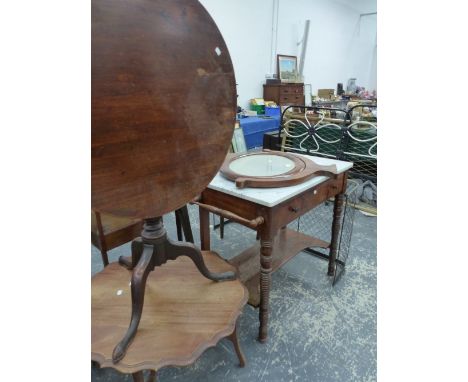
(287, 68)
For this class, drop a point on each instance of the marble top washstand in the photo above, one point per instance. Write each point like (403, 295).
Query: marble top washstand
(269, 211)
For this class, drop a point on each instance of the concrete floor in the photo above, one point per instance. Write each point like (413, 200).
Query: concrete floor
(317, 332)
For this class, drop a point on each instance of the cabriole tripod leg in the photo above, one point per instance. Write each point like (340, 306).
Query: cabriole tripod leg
(189, 250)
(130, 262)
(139, 276)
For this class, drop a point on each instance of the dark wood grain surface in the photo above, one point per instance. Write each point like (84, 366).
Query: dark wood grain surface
(163, 104)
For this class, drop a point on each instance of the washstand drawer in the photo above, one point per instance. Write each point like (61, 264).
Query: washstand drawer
(293, 209)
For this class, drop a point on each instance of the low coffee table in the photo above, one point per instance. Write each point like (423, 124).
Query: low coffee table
(184, 314)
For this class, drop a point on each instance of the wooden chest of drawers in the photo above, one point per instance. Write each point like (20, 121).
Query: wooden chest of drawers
(284, 94)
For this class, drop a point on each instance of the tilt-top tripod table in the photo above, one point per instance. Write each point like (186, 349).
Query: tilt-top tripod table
(163, 114)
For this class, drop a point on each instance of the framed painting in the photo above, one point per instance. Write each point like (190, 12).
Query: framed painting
(287, 68)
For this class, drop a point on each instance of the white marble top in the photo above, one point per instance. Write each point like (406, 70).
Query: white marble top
(272, 196)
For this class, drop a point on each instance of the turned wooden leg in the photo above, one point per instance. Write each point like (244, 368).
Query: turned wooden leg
(139, 276)
(336, 229)
(265, 283)
(235, 341)
(204, 229)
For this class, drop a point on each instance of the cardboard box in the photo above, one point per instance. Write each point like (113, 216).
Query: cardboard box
(326, 93)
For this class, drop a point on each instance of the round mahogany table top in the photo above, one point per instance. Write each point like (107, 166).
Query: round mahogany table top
(163, 104)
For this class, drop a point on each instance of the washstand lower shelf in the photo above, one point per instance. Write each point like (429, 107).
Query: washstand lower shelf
(287, 244)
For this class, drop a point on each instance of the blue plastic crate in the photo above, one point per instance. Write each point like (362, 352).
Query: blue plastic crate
(255, 127)
(273, 111)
